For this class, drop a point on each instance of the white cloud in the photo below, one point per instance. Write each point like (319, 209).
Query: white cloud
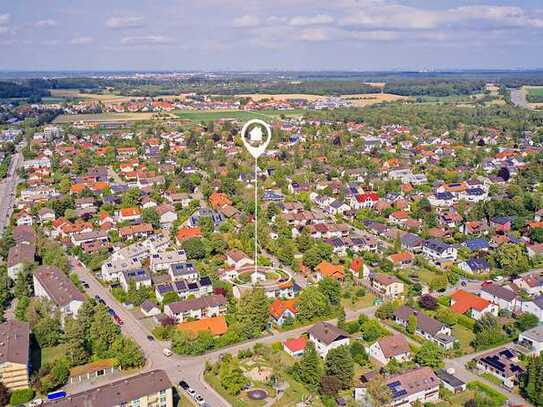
(125, 22)
(147, 40)
(400, 17)
(311, 20)
(246, 21)
(46, 23)
(4, 23)
(82, 40)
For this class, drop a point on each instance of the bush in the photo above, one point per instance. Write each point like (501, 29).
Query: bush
(21, 396)
(494, 395)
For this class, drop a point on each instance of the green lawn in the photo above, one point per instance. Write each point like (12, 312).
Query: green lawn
(464, 336)
(40, 357)
(535, 91)
(203, 116)
(359, 303)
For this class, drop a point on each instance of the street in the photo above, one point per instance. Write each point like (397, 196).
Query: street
(7, 189)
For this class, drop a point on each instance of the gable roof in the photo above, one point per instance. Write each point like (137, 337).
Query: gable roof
(214, 325)
(465, 301)
(394, 345)
(327, 333)
(296, 344)
(330, 270)
(278, 307)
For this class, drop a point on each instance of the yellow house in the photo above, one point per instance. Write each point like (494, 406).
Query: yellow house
(14, 354)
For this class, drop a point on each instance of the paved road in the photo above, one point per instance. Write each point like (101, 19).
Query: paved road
(518, 98)
(189, 368)
(7, 190)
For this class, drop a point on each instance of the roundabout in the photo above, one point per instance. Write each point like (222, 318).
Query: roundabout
(271, 279)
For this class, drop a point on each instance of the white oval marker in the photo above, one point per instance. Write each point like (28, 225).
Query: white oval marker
(256, 136)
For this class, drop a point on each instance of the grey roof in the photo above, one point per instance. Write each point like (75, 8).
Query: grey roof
(14, 342)
(57, 285)
(179, 307)
(327, 333)
(448, 378)
(499, 291)
(117, 393)
(436, 245)
(535, 334)
(424, 322)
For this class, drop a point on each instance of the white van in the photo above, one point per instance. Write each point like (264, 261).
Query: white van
(167, 352)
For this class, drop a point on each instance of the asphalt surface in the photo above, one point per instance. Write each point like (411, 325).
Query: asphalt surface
(7, 190)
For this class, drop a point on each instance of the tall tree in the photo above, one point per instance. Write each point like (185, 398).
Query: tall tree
(253, 312)
(103, 332)
(339, 363)
(309, 370)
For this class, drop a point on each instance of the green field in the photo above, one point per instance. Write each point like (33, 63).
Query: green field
(203, 116)
(535, 91)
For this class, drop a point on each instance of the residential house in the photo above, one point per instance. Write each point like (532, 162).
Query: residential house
(401, 259)
(18, 256)
(163, 261)
(390, 347)
(386, 286)
(151, 388)
(51, 283)
(188, 233)
(204, 307)
(475, 265)
(183, 271)
(438, 251)
(237, 259)
(502, 363)
(426, 327)
(504, 298)
(326, 337)
(464, 302)
(138, 276)
(282, 310)
(167, 214)
(149, 308)
(419, 385)
(216, 326)
(129, 214)
(136, 231)
(532, 339)
(295, 346)
(532, 284)
(14, 354)
(23, 218)
(329, 270)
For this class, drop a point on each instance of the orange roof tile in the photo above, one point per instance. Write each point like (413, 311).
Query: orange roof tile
(186, 233)
(330, 270)
(214, 325)
(278, 306)
(464, 301)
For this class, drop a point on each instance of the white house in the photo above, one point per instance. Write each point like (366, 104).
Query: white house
(438, 251)
(326, 337)
(390, 347)
(50, 282)
(204, 307)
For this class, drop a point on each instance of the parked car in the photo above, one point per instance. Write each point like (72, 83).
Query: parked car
(36, 402)
(85, 284)
(118, 320)
(150, 338)
(199, 400)
(191, 392)
(184, 385)
(167, 352)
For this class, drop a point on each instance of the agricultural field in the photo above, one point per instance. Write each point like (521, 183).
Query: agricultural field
(534, 95)
(203, 116)
(103, 117)
(358, 100)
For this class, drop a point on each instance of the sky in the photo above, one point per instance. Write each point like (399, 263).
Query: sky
(253, 35)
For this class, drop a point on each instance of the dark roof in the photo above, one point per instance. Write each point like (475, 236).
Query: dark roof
(179, 307)
(411, 240)
(436, 245)
(327, 333)
(14, 342)
(424, 322)
(119, 392)
(477, 244)
(58, 286)
(24, 233)
(21, 253)
(499, 291)
(477, 264)
(448, 378)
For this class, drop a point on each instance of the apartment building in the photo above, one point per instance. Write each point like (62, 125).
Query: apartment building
(14, 354)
